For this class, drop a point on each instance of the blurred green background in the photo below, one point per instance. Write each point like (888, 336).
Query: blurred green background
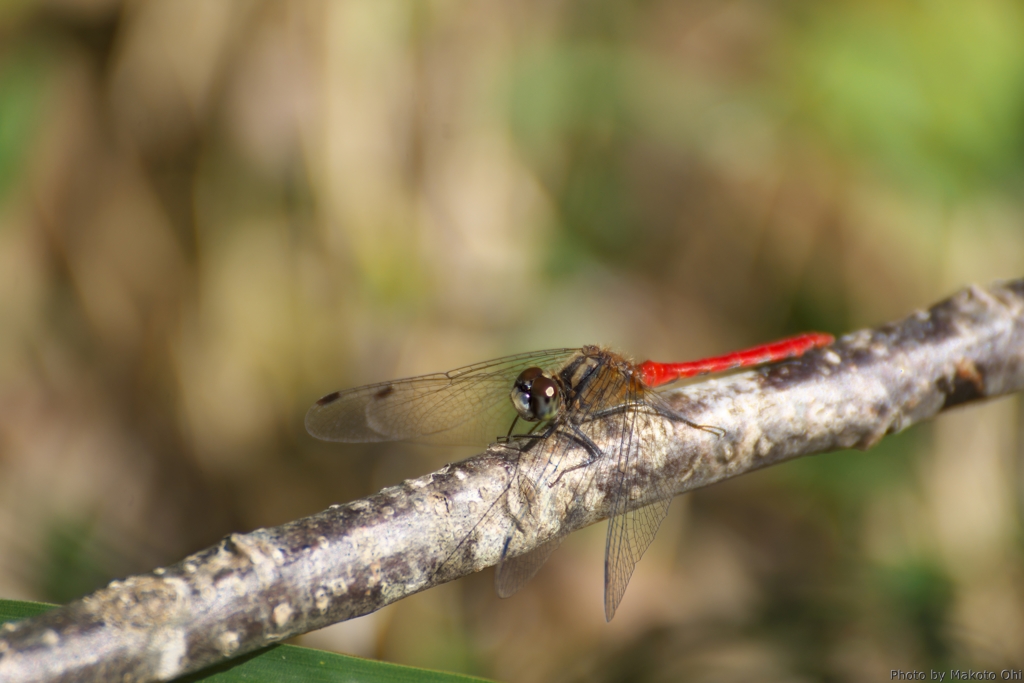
(214, 211)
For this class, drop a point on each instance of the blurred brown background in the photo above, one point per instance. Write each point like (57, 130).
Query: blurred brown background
(214, 211)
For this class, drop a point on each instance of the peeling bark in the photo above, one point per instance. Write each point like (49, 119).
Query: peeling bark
(254, 589)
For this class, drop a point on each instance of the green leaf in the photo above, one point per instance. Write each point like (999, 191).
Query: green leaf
(14, 610)
(282, 663)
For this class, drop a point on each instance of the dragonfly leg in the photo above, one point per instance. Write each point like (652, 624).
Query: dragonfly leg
(593, 452)
(657, 410)
(508, 437)
(528, 435)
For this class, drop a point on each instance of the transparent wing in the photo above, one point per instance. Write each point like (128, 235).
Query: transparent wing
(630, 532)
(513, 573)
(467, 406)
(629, 535)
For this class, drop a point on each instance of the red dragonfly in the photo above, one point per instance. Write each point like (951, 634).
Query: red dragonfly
(559, 391)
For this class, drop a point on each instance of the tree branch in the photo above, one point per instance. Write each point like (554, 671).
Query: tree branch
(254, 589)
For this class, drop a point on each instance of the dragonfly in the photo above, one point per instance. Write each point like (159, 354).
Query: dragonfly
(552, 394)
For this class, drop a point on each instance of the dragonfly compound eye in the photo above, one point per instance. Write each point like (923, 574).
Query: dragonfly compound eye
(535, 396)
(545, 399)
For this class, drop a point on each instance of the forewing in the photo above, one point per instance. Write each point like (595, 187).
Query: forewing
(467, 406)
(629, 532)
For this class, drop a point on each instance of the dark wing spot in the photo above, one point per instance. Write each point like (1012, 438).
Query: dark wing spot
(329, 398)
(384, 392)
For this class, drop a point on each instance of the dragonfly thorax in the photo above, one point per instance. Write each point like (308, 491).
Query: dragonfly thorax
(536, 396)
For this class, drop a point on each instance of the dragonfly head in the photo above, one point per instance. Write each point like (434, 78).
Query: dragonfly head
(536, 396)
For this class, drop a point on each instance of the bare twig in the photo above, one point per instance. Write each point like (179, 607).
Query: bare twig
(258, 588)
